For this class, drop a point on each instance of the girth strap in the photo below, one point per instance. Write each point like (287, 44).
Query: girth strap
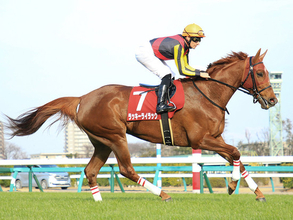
(166, 129)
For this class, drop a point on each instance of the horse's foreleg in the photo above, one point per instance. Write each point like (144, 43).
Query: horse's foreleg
(127, 170)
(251, 184)
(238, 168)
(235, 175)
(231, 154)
(99, 158)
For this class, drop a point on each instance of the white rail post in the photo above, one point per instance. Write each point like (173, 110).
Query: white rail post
(159, 182)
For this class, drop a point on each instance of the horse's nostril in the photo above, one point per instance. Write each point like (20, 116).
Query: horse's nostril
(273, 101)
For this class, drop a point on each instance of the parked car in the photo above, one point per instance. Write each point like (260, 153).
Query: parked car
(46, 179)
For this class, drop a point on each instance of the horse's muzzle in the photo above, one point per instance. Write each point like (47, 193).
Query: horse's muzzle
(266, 104)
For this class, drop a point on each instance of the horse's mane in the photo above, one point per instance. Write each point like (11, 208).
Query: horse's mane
(224, 62)
(230, 58)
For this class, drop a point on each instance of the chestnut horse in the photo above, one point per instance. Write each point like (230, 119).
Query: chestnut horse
(102, 115)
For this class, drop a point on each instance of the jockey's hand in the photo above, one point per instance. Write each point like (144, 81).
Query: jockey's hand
(204, 75)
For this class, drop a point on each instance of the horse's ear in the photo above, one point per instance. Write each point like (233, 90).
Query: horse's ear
(262, 56)
(256, 57)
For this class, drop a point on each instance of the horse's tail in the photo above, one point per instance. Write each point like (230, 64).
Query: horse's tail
(29, 122)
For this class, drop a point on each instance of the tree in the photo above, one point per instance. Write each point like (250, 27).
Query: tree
(88, 151)
(288, 128)
(147, 149)
(259, 147)
(182, 151)
(12, 151)
(247, 135)
(142, 149)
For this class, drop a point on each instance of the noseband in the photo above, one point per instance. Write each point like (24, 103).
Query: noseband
(250, 91)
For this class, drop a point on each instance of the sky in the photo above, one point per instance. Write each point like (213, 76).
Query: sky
(52, 49)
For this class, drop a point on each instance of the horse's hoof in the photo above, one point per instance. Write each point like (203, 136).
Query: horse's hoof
(165, 197)
(230, 190)
(168, 199)
(261, 199)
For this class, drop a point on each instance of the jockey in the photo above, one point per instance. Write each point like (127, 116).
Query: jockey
(155, 52)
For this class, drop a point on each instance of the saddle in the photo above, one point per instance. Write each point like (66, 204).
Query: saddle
(143, 102)
(171, 90)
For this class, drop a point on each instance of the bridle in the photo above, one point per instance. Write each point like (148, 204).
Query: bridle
(254, 90)
(242, 87)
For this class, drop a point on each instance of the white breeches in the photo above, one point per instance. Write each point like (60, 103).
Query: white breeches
(145, 55)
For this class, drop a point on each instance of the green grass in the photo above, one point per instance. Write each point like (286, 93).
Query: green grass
(37, 205)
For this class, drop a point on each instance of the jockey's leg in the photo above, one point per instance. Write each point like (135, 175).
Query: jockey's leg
(145, 55)
(162, 105)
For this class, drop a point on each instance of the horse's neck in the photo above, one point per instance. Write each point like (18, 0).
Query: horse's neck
(230, 75)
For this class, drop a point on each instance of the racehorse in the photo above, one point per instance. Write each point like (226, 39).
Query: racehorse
(102, 115)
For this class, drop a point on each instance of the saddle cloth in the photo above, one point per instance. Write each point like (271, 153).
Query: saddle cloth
(143, 102)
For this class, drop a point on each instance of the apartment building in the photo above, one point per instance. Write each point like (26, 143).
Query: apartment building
(77, 143)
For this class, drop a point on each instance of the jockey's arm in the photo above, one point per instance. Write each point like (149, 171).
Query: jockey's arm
(182, 63)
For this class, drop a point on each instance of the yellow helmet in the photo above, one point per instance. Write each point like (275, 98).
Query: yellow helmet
(193, 30)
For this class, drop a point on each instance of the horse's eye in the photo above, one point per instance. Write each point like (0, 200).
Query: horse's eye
(260, 74)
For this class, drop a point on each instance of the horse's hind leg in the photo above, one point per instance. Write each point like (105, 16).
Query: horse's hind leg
(98, 159)
(127, 170)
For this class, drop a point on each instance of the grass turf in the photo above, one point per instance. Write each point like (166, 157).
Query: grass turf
(37, 205)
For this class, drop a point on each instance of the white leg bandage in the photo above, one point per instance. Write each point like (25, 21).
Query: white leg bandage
(154, 189)
(96, 193)
(236, 170)
(250, 182)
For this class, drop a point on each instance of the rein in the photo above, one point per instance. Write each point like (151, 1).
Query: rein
(256, 94)
(223, 109)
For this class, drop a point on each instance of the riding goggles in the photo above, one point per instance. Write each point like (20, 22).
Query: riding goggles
(195, 39)
(200, 33)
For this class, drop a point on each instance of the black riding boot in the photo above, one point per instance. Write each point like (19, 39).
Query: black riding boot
(162, 95)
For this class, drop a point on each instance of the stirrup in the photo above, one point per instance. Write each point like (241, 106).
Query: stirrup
(164, 108)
